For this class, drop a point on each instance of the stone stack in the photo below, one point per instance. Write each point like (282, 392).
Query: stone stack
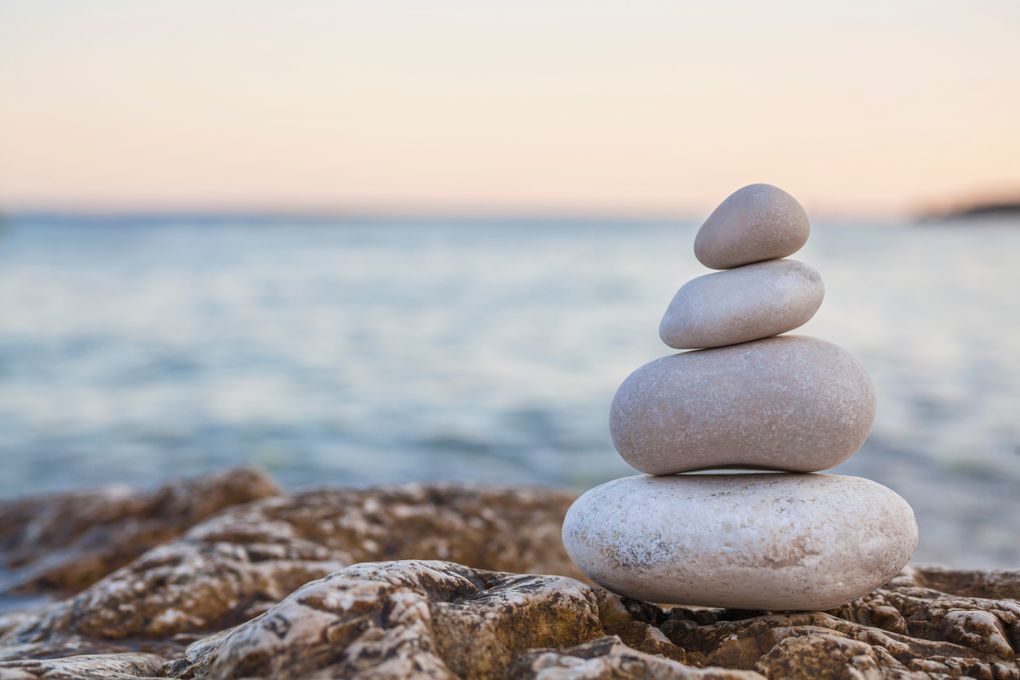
(745, 399)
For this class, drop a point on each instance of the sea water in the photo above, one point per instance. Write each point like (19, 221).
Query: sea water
(349, 351)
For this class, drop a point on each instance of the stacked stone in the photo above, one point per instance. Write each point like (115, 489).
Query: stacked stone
(749, 400)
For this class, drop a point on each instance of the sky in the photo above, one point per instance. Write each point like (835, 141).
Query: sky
(505, 105)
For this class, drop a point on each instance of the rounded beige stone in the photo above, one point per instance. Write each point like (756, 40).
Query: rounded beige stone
(774, 541)
(785, 403)
(758, 222)
(742, 304)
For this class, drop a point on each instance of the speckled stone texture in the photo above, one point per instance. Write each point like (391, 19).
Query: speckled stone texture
(747, 303)
(763, 541)
(756, 223)
(311, 616)
(790, 402)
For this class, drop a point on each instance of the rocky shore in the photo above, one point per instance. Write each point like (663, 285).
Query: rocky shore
(227, 576)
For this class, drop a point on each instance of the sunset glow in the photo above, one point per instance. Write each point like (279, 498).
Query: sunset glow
(525, 106)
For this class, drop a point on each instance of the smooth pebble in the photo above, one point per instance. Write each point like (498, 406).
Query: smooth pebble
(751, 541)
(788, 403)
(742, 304)
(758, 222)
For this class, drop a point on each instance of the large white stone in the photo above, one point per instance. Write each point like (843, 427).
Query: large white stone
(789, 402)
(742, 304)
(753, 541)
(758, 222)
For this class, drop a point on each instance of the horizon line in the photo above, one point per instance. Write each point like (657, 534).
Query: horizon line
(311, 212)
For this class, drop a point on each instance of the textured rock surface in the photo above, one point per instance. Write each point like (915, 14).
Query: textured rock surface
(763, 541)
(86, 666)
(237, 564)
(64, 542)
(405, 619)
(758, 222)
(239, 596)
(789, 402)
(748, 303)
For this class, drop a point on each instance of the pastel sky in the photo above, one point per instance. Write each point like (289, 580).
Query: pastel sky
(519, 105)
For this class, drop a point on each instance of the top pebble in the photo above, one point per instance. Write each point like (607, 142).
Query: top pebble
(756, 223)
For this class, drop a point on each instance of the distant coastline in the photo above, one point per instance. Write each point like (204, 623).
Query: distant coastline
(985, 209)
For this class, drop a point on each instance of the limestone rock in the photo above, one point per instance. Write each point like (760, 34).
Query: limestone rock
(237, 564)
(404, 620)
(65, 542)
(608, 657)
(752, 541)
(743, 304)
(756, 223)
(925, 623)
(427, 619)
(786, 403)
(86, 667)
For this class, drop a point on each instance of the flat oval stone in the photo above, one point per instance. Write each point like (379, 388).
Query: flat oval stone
(758, 222)
(742, 304)
(786, 403)
(751, 541)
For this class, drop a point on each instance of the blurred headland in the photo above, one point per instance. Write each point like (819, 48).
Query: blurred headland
(975, 209)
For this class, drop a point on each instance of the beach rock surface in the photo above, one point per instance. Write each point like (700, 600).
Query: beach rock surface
(274, 595)
(743, 304)
(788, 403)
(758, 222)
(61, 543)
(236, 564)
(750, 541)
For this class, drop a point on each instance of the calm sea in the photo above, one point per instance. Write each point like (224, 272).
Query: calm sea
(356, 351)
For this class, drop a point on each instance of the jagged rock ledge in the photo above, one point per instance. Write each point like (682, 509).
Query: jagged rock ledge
(227, 577)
